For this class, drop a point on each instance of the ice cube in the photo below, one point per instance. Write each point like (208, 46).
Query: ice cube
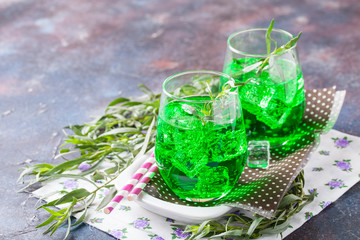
(259, 154)
(275, 114)
(256, 97)
(183, 115)
(213, 178)
(290, 88)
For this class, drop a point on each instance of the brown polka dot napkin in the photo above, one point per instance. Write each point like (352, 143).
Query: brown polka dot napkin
(261, 190)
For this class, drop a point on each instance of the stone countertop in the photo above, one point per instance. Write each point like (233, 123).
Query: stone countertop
(61, 62)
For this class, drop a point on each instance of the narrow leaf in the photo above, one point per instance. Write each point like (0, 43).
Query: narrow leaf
(232, 233)
(117, 101)
(119, 130)
(288, 199)
(253, 226)
(77, 194)
(80, 219)
(54, 213)
(268, 38)
(107, 198)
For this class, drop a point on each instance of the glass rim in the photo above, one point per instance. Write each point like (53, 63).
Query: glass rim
(220, 74)
(257, 29)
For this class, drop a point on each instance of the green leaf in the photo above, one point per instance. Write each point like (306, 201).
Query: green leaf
(146, 90)
(112, 170)
(49, 204)
(201, 227)
(77, 194)
(289, 44)
(80, 219)
(111, 194)
(288, 199)
(120, 130)
(268, 38)
(35, 169)
(232, 233)
(54, 213)
(203, 233)
(64, 150)
(147, 139)
(64, 166)
(253, 226)
(50, 219)
(50, 228)
(97, 175)
(277, 229)
(129, 104)
(68, 228)
(117, 101)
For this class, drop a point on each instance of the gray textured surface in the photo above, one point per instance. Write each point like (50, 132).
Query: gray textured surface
(63, 61)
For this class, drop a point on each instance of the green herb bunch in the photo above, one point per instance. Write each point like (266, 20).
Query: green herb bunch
(128, 126)
(245, 227)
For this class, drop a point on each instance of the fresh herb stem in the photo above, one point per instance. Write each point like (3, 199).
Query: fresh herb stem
(276, 50)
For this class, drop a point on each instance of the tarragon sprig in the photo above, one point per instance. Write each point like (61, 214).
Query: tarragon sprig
(128, 126)
(276, 51)
(244, 227)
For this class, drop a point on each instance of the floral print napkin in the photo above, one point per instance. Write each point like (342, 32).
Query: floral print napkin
(332, 169)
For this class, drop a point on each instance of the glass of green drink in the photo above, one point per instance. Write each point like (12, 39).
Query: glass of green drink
(273, 99)
(201, 145)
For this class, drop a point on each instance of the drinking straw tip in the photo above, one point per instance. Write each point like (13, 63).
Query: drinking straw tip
(108, 210)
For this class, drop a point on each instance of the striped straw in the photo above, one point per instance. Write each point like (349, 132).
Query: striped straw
(130, 184)
(141, 185)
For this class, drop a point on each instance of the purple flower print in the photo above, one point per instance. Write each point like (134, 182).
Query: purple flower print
(308, 215)
(105, 191)
(341, 142)
(324, 204)
(317, 169)
(96, 220)
(170, 220)
(326, 153)
(179, 233)
(118, 234)
(335, 183)
(141, 223)
(313, 191)
(155, 237)
(124, 208)
(84, 166)
(344, 165)
(72, 184)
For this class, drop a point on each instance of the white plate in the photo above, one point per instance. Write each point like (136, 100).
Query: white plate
(181, 213)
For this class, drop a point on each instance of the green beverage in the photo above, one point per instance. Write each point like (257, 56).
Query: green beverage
(264, 64)
(200, 158)
(273, 102)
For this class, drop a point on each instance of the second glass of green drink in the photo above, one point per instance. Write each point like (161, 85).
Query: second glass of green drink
(273, 99)
(201, 145)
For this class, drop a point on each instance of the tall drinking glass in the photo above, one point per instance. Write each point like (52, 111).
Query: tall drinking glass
(273, 100)
(201, 145)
